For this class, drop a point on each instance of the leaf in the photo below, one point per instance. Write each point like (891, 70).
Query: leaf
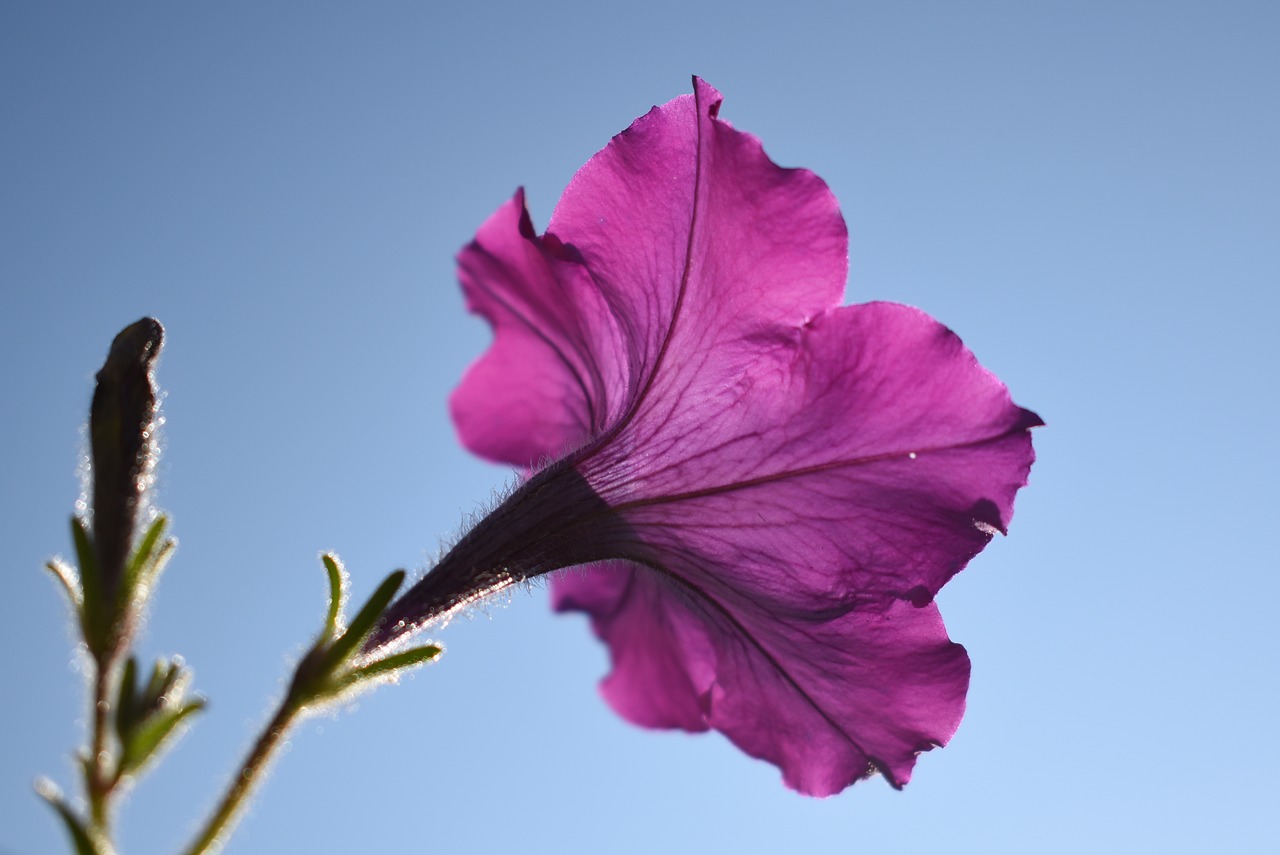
(387, 668)
(364, 621)
(95, 622)
(66, 575)
(140, 564)
(127, 703)
(147, 740)
(150, 573)
(80, 837)
(337, 594)
(160, 678)
(162, 558)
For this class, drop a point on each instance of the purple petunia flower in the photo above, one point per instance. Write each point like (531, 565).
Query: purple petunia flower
(767, 490)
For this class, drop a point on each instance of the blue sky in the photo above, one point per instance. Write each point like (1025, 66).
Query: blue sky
(1088, 193)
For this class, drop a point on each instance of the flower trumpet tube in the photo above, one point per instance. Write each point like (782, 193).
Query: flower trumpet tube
(765, 490)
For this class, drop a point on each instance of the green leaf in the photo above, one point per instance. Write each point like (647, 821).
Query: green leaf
(143, 557)
(387, 668)
(84, 547)
(70, 584)
(80, 837)
(337, 595)
(160, 676)
(97, 620)
(161, 559)
(146, 741)
(174, 685)
(126, 703)
(364, 622)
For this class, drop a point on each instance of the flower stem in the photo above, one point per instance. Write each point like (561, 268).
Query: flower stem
(99, 782)
(247, 777)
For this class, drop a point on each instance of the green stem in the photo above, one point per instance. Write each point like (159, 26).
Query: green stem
(247, 777)
(99, 781)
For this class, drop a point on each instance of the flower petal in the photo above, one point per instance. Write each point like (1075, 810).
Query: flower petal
(548, 379)
(827, 702)
(703, 248)
(657, 679)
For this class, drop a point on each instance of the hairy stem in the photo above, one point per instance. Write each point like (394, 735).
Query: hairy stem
(99, 781)
(250, 773)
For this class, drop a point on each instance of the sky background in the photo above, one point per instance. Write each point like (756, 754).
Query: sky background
(1088, 193)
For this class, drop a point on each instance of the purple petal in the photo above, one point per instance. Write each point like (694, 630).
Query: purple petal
(655, 681)
(828, 701)
(705, 250)
(679, 236)
(554, 367)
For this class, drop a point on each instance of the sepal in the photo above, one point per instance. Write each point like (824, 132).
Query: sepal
(147, 563)
(334, 666)
(148, 719)
(69, 579)
(96, 608)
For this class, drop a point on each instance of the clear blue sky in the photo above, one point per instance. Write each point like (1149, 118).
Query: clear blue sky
(1089, 193)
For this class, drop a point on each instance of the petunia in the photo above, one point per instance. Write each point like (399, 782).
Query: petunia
(763, 490)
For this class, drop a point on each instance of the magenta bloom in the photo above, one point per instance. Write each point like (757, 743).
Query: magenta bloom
(768, 489)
